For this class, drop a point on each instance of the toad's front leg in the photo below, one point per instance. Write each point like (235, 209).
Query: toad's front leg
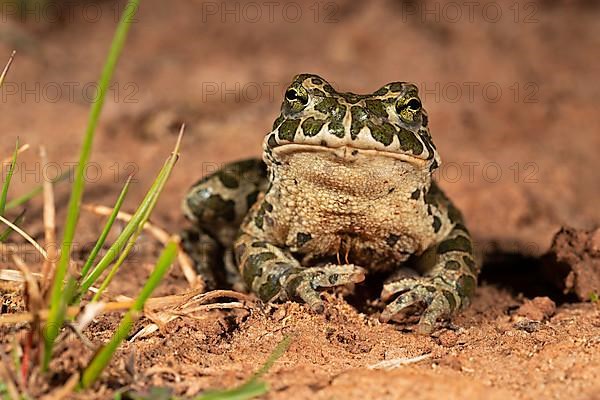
(274, 274)
(441, 291)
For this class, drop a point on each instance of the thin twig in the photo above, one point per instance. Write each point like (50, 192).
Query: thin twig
(25, 235)
(49, 230)
(7, 66)
(12, 275)
(397, 362)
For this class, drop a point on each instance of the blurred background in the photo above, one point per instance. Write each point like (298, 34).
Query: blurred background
(511, 88)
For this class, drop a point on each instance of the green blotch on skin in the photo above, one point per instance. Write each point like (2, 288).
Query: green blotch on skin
(433, 166)
(259, 219)
(318, 93)
(380, 92)
(329, 89)
(396, 87)
(316, 81)
(326, 105)
(454, 215)
(437, 224)
(272, 286)
(253, 266)
(470, 263)
(451, 300)
(376, 108)
(251, 198)
(301, 78)
(216, 207)
(332, 108)
(351, 97)
(268, 206)
(278, 121)
(333, 278)
(409, 142)
(303, 238)
(459, 243)
(312, 126)
(229, 179)
(287, 130)
(272, 141)
(336, 129)
(382, 133)
(466, 286)
(415, 195)
(359, 115)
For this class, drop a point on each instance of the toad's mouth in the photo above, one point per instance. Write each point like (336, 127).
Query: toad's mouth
(346, 152)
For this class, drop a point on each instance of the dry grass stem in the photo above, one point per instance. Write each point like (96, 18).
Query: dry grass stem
(175, 304)
(25, 236)
(49, 265)
(19, 151)
(397, 362)
(12, 275)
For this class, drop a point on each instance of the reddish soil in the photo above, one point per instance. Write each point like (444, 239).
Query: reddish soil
(513, 106)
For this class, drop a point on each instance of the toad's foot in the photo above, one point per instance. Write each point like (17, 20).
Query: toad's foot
(305, 283)
(274, 273)
(435, 297)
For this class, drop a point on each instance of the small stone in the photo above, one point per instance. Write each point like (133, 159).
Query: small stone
(448, 339)
(527, 325)
(538, 309)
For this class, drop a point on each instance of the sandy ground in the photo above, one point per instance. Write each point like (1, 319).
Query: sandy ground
(512, 94)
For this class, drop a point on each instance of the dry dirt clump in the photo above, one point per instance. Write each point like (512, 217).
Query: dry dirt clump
(574, 262)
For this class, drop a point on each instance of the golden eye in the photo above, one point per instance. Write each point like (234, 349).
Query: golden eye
(297, 98)
(409, 108)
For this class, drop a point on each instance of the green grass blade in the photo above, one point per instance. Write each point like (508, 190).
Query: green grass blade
(246, 391)
(140, 215)
(277, 352)
(9, 175)
(107, 227)
(139, 228)
(19, 201)
(55, 318)
(115, 268)
(120, 241)
(104, 355)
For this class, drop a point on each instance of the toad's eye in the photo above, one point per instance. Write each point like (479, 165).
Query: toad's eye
(414, 104)
(297, 98)
(409, 109)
